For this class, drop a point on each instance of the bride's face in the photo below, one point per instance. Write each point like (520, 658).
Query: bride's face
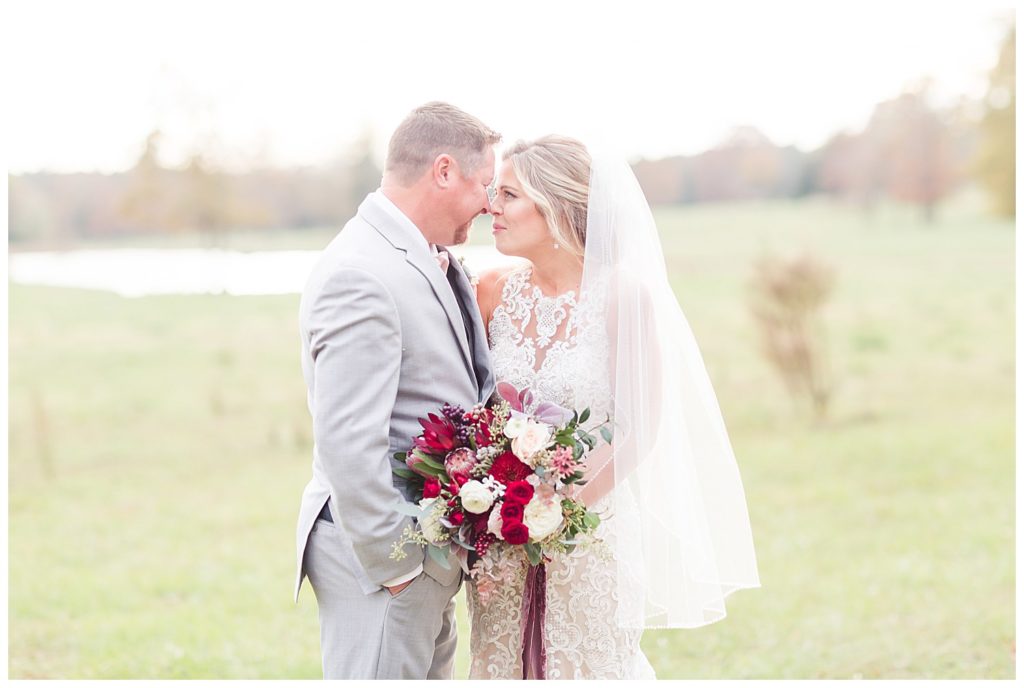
(519, 227)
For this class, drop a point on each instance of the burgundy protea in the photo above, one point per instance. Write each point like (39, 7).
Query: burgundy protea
(507, 468)
(459, 464)
(416, 465)
(438, 435)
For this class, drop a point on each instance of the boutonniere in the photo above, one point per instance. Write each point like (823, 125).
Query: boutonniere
(470, 275)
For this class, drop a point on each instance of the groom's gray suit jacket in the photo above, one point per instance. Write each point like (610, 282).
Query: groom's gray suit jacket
(383, 344)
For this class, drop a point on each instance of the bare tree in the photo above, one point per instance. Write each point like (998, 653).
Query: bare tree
(786, 299)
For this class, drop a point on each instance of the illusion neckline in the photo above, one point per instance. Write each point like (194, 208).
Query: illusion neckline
(569, 295)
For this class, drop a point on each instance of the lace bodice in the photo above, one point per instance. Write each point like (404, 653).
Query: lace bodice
(557, 346)
(550, 345)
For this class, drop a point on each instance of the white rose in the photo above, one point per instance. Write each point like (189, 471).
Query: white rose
(430, 524)
(476, 498)
(494, 524)
(514, 426)
(542, 517)
(533, 438)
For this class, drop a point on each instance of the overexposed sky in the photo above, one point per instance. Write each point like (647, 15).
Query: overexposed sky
(295, 82)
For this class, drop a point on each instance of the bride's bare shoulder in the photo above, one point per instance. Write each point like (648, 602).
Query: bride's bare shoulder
(493, 279)
(488, 290)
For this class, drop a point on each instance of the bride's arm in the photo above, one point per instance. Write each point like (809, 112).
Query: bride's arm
(644, 377)
(599, 476)
(488, 293)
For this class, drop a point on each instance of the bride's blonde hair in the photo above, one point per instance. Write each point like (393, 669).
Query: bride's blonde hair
(555, 174)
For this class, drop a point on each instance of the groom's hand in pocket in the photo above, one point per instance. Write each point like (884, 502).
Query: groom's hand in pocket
(395, 589)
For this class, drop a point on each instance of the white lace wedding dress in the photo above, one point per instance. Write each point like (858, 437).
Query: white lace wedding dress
(534, 343)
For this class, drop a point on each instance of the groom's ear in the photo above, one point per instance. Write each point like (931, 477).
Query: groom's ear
(444, 170)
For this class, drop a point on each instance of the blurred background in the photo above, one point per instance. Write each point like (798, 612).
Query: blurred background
(834, 184)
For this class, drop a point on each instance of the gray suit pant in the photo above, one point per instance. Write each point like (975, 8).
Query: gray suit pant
(377, 635)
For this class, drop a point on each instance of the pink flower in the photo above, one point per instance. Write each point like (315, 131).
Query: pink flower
(562, 462)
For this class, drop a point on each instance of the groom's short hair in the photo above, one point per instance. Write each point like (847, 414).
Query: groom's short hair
(433, 129)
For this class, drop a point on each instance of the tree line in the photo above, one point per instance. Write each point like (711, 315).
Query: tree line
(909, 151)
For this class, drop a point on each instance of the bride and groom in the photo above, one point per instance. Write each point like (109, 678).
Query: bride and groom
(392, 327)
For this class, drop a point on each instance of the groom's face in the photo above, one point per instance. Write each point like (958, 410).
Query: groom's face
(469, 197)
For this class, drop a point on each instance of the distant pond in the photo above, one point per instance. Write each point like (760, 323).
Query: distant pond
(142, 272)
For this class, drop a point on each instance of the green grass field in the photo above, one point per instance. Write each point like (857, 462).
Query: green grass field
(159, 446)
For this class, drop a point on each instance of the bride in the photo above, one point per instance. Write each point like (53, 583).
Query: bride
(591, 321)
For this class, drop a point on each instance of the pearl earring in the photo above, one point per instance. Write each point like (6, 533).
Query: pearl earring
(557, 246)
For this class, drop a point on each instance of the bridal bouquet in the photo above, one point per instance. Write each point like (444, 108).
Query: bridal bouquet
(496, 477)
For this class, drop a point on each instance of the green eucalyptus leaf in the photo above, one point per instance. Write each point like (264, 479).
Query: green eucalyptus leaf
(438, 555)
(410, 509)
(428, 460)
(462, 543)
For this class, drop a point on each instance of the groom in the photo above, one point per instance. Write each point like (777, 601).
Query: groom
(390, 332)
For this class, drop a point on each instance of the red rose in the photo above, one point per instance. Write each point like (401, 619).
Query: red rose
(511, 511)
(460, 479)
(431, 488)
(508, 468)
(519, 492)
(515, 533)
(453, 487)
(455, 518)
